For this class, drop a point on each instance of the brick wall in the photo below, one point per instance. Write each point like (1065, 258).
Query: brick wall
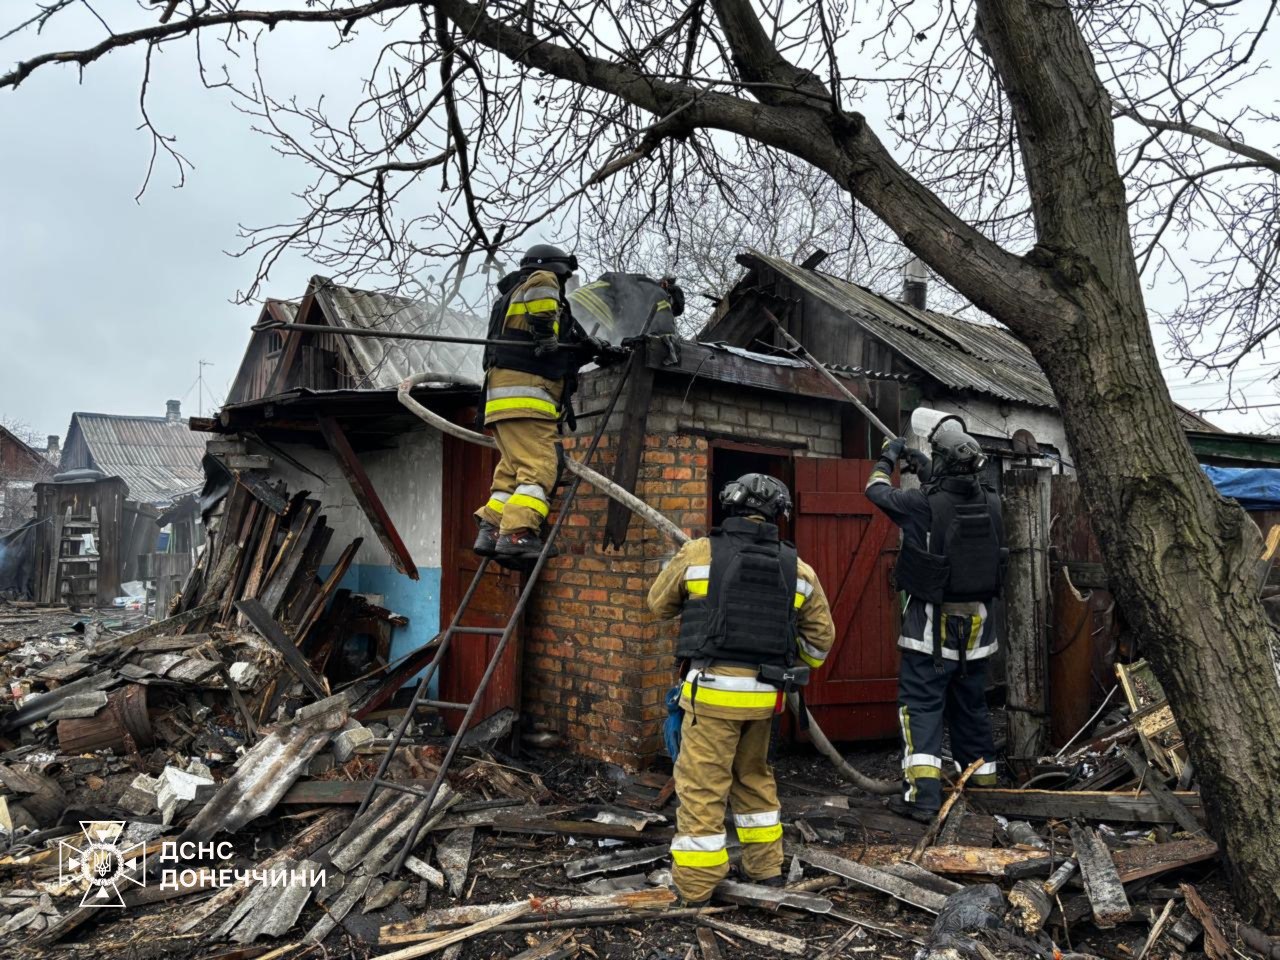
(596, 664)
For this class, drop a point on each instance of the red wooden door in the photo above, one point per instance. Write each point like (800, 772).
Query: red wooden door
(851, 545)
(466, 473)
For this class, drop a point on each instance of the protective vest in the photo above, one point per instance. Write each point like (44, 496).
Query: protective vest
(965, 555)
(747, 614)
(556, 365)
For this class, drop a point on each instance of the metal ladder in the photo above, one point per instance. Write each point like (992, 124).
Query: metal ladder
(421, 696)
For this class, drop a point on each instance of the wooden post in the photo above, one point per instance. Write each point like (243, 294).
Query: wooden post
(1026, 595)
(626, 468)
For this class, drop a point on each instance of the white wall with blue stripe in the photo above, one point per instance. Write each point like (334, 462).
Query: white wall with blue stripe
(408, 480)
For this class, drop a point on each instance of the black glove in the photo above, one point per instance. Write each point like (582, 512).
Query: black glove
(892, 449)
(546, 345)
(918, 462)
(674, 295)
(603, 352)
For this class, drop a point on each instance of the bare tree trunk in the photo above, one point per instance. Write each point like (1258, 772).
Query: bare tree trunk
(1182, 562)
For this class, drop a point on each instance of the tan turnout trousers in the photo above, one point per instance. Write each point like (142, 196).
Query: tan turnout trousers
(724, 761)
(520, 495)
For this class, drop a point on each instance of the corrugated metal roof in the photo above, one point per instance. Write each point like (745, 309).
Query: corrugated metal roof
(157, 457)
(382, 364)
(965, 356)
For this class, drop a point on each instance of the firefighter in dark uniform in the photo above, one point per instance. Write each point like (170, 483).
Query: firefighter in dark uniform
(753, 622)
(528, 393)
(950, 570)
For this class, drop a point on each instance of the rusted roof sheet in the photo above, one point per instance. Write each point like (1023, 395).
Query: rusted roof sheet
(157, 457)
(983, 358)
(382, 364)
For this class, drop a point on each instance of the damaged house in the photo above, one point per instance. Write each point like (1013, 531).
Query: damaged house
(253, 724)
(21, 467)
(315, 416)
(120, 509)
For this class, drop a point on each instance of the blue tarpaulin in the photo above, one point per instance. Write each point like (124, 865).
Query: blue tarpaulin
(1256, 488)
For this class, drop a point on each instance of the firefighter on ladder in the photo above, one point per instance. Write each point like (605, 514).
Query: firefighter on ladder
(753, 622)
(950, 569)
(528, 393)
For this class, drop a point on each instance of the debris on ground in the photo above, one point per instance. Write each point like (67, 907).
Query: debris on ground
(206, 775)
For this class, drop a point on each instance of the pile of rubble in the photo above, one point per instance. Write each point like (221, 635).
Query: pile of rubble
(208, 773)
(236, 827)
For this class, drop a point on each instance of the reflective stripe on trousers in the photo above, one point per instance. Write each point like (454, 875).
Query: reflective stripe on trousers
(699, 851)
(531, 495)
(764, 827)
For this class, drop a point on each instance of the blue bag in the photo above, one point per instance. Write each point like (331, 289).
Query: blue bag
(675, 719)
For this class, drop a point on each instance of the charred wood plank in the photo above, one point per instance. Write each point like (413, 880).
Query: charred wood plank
(363, 490)
(1103, 805)
(778, 942)
(874, 879)
(318, 603)
(1101, 880)
(1215, 944)
(1164, 796)
(164, 626)
(511, 823)
(626, 466)
(272, 632)
(262, 491)
(637, 900)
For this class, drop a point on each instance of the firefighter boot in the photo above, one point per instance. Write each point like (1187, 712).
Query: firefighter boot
(904, 809)
(486, 539)
(521, 548)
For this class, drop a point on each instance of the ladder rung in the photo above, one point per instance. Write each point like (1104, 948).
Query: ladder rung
(488, 631)
(443, 704)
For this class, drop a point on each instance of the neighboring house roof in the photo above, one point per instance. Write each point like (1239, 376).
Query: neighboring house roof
(957, 353)
(157, 457)
(961, 354)
(19, 460)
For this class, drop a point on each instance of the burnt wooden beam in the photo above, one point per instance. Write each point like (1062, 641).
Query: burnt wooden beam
(274, 634)
(870, 877)
(262, 491)
(292, 347)
(164, 626)
(365, 494)
(1093, 805)
(626, 466)
(335, 792)
(709, 363)
(1101, 879)
(1152, 783)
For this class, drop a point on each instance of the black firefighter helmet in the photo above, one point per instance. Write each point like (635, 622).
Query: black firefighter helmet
(545, 256)
(756, 493)
(955, 453)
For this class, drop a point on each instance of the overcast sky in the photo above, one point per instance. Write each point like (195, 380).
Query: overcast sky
(108, 305)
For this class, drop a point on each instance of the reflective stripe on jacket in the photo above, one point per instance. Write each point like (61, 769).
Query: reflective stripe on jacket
(513, 394)
(732, 692)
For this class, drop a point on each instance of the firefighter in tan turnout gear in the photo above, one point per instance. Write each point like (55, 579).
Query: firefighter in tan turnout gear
(528, 388)
(753, 622)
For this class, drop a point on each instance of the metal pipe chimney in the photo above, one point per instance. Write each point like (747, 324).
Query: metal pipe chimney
(915, 284)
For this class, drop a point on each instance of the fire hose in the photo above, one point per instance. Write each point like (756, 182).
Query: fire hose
(660, 522)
